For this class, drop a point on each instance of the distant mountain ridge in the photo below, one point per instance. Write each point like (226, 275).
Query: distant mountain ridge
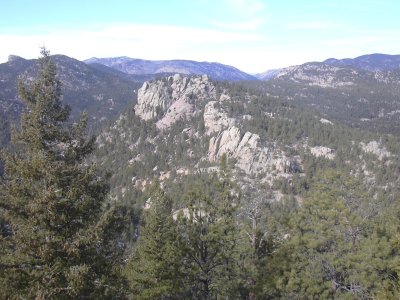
(84, 87)
(361, 92)
(370, 62)
(214, 70)
(267, 75)
(102, 92)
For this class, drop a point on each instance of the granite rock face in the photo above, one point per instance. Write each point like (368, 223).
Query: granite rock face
(173, 98)
(322, 151)
(252, 157)
(375, 148)
(215, 119)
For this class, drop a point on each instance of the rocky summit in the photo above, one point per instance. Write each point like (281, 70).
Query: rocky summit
(177, 98)
(172, 99)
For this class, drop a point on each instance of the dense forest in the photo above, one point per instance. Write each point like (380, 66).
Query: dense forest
(73, 226)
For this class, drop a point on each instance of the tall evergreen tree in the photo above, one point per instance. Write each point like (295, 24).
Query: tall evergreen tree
(191, 253)
(209, 239)
(57, 237)
(329, 249)
(154, 268)
(255, 244)
(384, 243)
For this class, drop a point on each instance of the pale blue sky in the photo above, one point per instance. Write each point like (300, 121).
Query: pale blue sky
(253, 35)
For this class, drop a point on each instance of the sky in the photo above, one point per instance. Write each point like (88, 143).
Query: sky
(252, 35)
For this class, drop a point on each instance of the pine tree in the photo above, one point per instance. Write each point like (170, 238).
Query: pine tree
(384, 243)
(255, 243)
(191, 253)
(328, 244)
(57, 237)
(210, 239)
(154, 268)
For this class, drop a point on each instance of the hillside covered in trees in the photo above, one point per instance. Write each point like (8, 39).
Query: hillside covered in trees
(199, 190)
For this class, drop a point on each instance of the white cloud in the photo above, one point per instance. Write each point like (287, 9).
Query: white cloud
(367, 40)
(237, 45)
(141, 41)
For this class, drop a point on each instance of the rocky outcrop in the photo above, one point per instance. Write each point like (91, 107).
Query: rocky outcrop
(232, 143)
(376, 148)
(321, 151)
(173, 98)
(215, 119)
(287, 165)
(251, 157)
(325, 121)
(319, 74)
(177, 97)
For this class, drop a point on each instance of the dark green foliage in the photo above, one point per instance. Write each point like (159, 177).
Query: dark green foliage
(58, 237)
(4, 136)
(191, 253)
(367, 99)
(336, 244)
(312, 241)
(255, 243)
(210, 242)
(154, 270)
(333, 250)
(4, 129)
(328, 228)
(102, 92)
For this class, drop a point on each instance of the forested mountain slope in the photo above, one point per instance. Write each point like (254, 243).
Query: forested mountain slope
(370, 62)
(102, 92)
(355, 94)
(313, 199)
(216, 190)
(184, 125)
